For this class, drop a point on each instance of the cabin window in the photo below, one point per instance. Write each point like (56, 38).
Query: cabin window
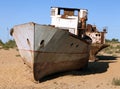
(61, 12)
(53, 12)
(75, 13)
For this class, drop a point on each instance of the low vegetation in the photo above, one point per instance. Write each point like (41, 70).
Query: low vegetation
(113, 49)
(7, 45)
(116, 81)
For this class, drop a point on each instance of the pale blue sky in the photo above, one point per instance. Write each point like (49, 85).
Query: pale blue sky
(100, 12)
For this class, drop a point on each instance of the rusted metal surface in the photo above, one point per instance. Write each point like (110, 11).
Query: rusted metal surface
(98, 40)
(96, 36)
(46, 68)
(95, 48)
(49, 50)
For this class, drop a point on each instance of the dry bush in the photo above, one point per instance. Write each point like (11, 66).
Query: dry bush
(116, 81)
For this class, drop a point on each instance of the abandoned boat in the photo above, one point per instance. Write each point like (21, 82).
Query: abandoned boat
(98, 40)
(48, 49)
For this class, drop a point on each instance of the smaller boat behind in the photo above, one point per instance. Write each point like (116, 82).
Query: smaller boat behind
(98, 40)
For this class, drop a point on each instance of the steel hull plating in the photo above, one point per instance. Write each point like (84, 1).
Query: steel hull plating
(49, 50)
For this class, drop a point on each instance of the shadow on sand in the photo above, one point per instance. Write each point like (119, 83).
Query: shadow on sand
(99, 66)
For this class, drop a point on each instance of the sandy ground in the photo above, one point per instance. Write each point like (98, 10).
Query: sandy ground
(14, 74)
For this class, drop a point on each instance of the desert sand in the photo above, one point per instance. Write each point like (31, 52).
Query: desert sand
(14, 74)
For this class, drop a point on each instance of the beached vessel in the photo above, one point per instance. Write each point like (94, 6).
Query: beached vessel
(98, 40)
(50, 49)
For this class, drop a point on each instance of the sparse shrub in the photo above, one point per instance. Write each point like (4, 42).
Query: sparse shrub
(18, 55)
(107, 40)
(118, 46)
(109, 51)
(7, 45)
(113, 49)
(112, 41)
(116, 81)
(1, 43)
(115, 40)
(117, 50)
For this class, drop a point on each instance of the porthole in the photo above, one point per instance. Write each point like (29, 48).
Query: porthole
(77, 46)
(42, 42)
(28, 41)
(71, 44)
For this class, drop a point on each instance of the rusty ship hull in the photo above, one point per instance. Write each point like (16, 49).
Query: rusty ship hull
(95, 48)
(47, 50)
